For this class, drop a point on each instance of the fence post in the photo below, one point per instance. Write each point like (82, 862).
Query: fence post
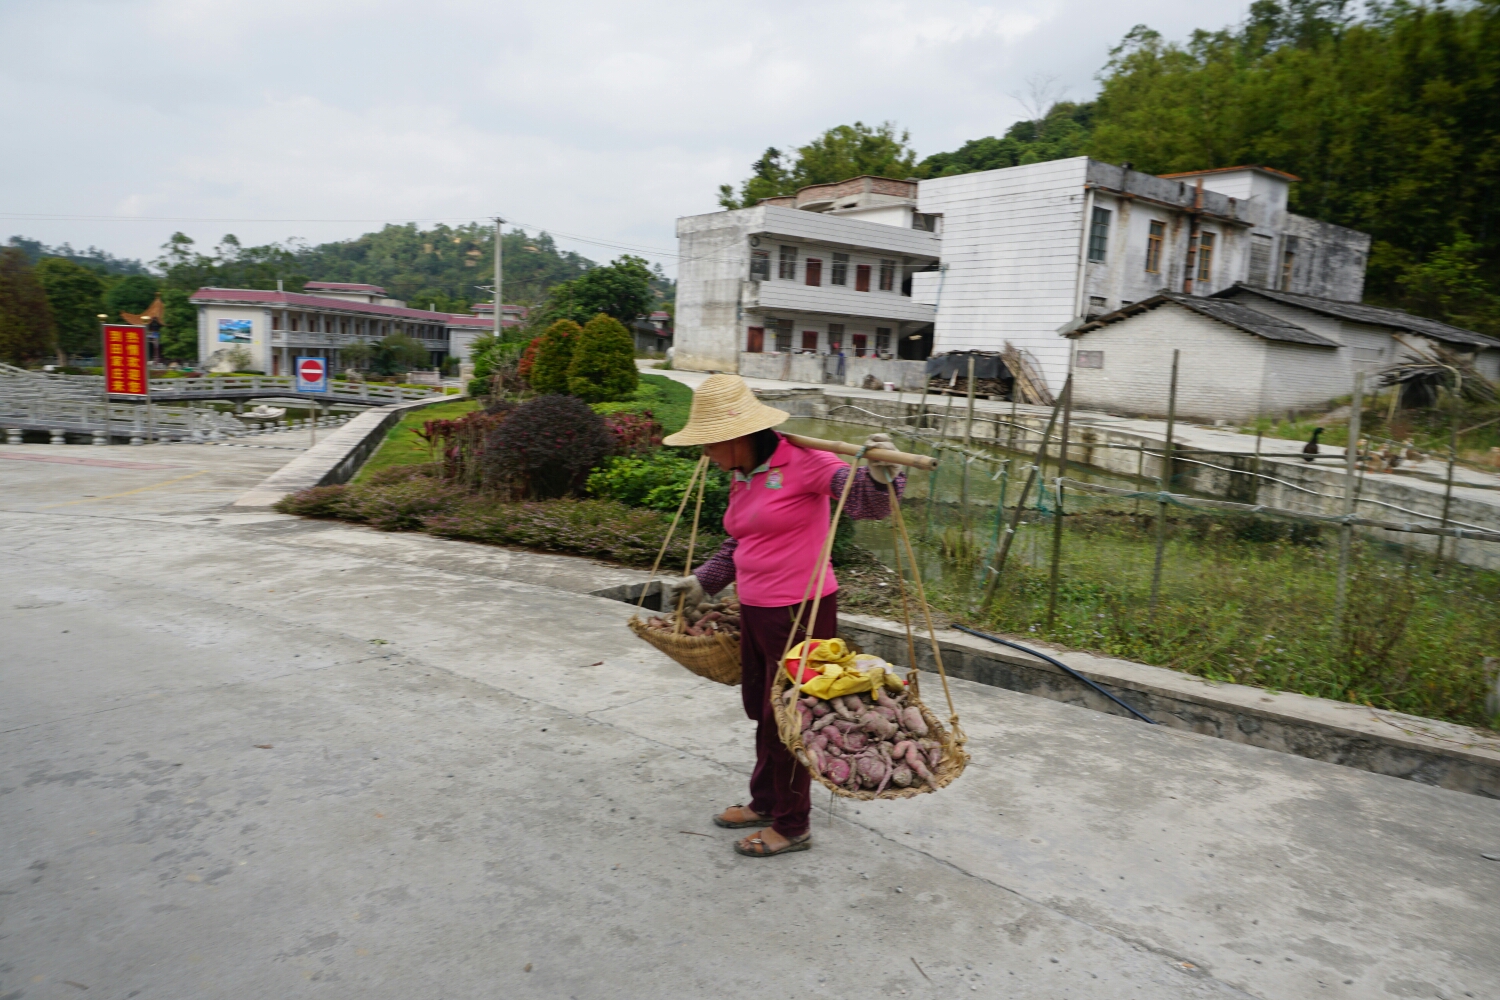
(1166, 486)
(963, 489)
(1458, 401)
(1346, 531)
(1010, 534)
(1057, 515)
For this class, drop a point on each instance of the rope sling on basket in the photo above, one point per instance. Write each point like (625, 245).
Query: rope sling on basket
(717, 656)
(886, 747)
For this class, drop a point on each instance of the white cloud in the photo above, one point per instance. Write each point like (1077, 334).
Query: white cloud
(600, 119)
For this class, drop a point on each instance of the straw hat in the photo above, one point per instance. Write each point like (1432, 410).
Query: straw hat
(724, 408)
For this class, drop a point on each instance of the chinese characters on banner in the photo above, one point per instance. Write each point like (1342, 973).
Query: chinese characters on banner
(125, 360)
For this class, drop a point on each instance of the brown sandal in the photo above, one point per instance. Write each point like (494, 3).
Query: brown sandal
(759, 820)
(757, 848)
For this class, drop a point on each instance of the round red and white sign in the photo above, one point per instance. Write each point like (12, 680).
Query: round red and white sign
(310, 369)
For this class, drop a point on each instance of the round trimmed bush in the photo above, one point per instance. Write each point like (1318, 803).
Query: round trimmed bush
(546, 447)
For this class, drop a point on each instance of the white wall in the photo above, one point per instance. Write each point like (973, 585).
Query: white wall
(260, 333)
(1220, 371)
(1011, 243)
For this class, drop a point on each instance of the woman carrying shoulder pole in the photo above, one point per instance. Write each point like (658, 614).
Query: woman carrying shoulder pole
(779, 506)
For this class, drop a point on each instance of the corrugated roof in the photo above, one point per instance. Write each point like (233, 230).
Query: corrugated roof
(1358, 312)
(255, 296)
(1229, 313)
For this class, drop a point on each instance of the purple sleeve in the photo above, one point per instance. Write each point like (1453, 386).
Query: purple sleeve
(718, 572)
(868, 500)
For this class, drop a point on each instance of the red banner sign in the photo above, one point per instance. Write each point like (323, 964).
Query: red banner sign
(125, 360)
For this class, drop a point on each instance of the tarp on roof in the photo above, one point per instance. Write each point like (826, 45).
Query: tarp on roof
(985, 365)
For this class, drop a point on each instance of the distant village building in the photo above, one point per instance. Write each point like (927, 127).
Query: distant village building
(795, 285)
(1248, 351)
(278, 326)
(1020, 256)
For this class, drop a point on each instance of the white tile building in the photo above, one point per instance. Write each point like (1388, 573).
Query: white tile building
(825, 273)
(1027, 254)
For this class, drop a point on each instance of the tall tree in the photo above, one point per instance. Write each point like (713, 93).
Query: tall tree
(27, 330)
(622, 289)
(841, 152)
(76, 295)
(179, 335)
(1062, 131)
(130, 294)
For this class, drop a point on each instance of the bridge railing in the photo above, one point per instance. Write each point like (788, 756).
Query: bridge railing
(166, 388)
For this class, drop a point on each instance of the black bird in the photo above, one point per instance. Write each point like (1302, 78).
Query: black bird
(1310, 449)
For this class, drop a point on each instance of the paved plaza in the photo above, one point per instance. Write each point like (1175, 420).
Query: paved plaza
(247, 755)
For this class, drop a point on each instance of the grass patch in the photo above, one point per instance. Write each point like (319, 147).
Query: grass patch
(669, 402)
(402, 446)
(1244, 600)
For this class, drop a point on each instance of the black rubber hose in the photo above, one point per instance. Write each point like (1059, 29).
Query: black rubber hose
(1061, 666)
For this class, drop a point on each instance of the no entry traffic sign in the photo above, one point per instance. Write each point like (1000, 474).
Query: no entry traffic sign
(312, 375)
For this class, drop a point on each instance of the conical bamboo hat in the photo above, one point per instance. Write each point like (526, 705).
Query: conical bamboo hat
(724, 408)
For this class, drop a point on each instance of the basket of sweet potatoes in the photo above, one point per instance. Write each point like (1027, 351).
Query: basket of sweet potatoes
(705, 639)
(879, 744)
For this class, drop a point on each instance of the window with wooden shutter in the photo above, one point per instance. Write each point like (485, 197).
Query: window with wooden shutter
(813, 271)
(1154, 240)
(887, 275)
(755, 341)
(862, 277)
(860, 342)
(1206, 256)
(810, 341)
(840, 275)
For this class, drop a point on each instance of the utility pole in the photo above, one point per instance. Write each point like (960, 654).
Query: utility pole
(499, 231)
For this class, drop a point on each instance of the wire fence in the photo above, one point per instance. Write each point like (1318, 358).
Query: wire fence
(1328, 593)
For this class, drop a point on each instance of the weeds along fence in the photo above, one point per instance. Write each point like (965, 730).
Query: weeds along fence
(1331, 595)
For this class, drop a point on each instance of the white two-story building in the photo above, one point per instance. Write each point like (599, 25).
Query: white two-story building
(803, 285)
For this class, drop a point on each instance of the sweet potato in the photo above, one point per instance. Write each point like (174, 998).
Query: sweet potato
(820, 708)
(872, 770)
(901, 776)
(855, 740)
(843, 710)
(919, 766)
(879, 726)
(911, 718)
(835, 737)
(836, 770)
(824, 721)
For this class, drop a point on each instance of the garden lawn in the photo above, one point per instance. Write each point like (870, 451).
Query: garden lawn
(669, 402)
(402, 445)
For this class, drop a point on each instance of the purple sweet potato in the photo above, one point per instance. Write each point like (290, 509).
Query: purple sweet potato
(878, 726)
(820, 707)
(835, 736)
(836, 770)
(911, 718)
(806, 714)
(872, 770)
(901, 776)
(898, 752)
(842, 709)
(919, 766)
(855, 741)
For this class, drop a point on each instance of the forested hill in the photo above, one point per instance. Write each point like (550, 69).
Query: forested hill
(1391, 118)
(444, 266)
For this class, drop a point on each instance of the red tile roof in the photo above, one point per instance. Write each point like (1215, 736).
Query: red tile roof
(255, 296)
(344, 286)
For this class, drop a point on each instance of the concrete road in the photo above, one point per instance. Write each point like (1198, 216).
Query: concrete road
(243, 755)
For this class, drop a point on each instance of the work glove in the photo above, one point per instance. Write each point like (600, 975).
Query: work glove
(691, 592)
(882, 472)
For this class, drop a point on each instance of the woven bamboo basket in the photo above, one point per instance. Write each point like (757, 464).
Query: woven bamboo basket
(716, 657)
(955, 758)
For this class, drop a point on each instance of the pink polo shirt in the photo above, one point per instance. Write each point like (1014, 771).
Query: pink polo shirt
(780, 518)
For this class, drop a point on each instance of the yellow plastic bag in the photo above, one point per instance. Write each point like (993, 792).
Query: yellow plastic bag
(840, 671)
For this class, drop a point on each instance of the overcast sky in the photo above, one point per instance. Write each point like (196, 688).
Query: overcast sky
(603, 120)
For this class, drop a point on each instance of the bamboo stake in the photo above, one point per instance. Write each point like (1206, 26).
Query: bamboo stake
(1166, 486)
(1346, 532)
(1010, 534)
(1057, 516)
(963, 490)
(1452, 460)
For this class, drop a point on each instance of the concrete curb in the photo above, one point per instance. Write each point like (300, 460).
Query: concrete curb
(337, 457)
(1402, 746)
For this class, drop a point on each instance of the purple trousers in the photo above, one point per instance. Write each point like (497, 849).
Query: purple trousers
(779, 785)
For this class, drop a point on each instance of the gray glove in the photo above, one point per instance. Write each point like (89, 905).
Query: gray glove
(882, 472)
(686, 587)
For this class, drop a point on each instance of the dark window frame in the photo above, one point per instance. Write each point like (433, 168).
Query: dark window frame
(839, 274)
(812, 271)
(1156, 238)
(861, 277)
(786, 264)
(1099, 235)
(887, 275)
